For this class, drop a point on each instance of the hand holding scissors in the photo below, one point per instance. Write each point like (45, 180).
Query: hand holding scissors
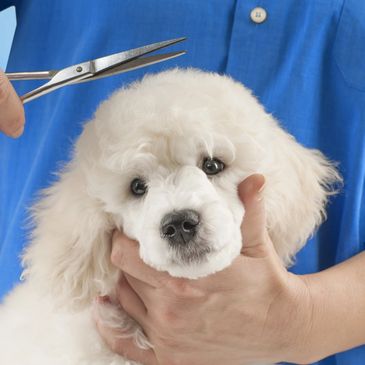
(86, 71)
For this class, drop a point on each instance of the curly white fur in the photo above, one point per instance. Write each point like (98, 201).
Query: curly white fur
(159, 129)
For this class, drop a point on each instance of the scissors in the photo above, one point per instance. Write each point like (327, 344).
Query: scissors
(96, 69)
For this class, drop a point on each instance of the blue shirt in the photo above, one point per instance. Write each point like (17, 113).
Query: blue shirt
(305, 63)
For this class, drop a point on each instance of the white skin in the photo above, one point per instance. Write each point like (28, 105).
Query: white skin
(253, 311)
(11, 109)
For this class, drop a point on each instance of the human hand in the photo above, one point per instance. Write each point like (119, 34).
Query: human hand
(11, 109)
(253, 311)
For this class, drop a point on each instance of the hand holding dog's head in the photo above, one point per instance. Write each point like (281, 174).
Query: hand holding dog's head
(162, 160)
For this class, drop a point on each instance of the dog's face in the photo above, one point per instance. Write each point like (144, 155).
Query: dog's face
(167, 174)
(162, 160)
(177, 196)
(165, 158)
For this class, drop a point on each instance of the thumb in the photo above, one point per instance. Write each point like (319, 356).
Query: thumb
(253, 227)
(11, 109)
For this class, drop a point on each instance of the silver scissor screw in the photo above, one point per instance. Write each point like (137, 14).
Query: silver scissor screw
(79, 69)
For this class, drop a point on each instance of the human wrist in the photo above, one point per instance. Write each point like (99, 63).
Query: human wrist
(318, 337)
(286, 332)
(299, 306)
(337, 297)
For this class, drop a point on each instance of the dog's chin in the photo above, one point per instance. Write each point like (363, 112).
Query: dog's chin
(201, 265)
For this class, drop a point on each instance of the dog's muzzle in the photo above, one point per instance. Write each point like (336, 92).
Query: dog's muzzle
(180, 227)
(181, 230)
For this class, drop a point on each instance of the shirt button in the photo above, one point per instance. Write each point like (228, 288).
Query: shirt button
(258, 15)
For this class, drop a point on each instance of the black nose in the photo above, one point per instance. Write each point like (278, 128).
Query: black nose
(179, 227)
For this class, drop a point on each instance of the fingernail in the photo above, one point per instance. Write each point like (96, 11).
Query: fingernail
(18, 132)
(103, 299)
(260, 195)
(262, 188)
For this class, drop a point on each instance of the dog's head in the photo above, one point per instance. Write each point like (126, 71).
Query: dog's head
(162, 160)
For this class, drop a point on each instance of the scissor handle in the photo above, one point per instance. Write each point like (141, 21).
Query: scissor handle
(61, 78)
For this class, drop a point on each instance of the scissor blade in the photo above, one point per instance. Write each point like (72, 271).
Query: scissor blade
(39, 75)
(133, 65)
(91, 69)
(104, 63)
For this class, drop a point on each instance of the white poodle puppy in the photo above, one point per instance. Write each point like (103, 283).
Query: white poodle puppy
(162, 160)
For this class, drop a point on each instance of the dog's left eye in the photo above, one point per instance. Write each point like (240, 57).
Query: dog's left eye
(138, 186)
(212, 166)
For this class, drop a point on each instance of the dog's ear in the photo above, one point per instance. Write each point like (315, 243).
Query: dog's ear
(299, 183)
(70, 247)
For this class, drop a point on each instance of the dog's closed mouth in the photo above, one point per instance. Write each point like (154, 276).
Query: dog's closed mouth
(193, 252)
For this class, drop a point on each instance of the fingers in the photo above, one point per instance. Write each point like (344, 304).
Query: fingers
(130, 301)
(253, 227)
(11, 109)
(117, 341)
(143, 290)
(125, 255)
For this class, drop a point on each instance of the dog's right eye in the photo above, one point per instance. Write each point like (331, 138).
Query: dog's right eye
(212, 166)
(138, 186)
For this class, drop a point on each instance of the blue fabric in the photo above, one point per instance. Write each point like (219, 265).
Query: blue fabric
(305, 64)
(5, 4)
